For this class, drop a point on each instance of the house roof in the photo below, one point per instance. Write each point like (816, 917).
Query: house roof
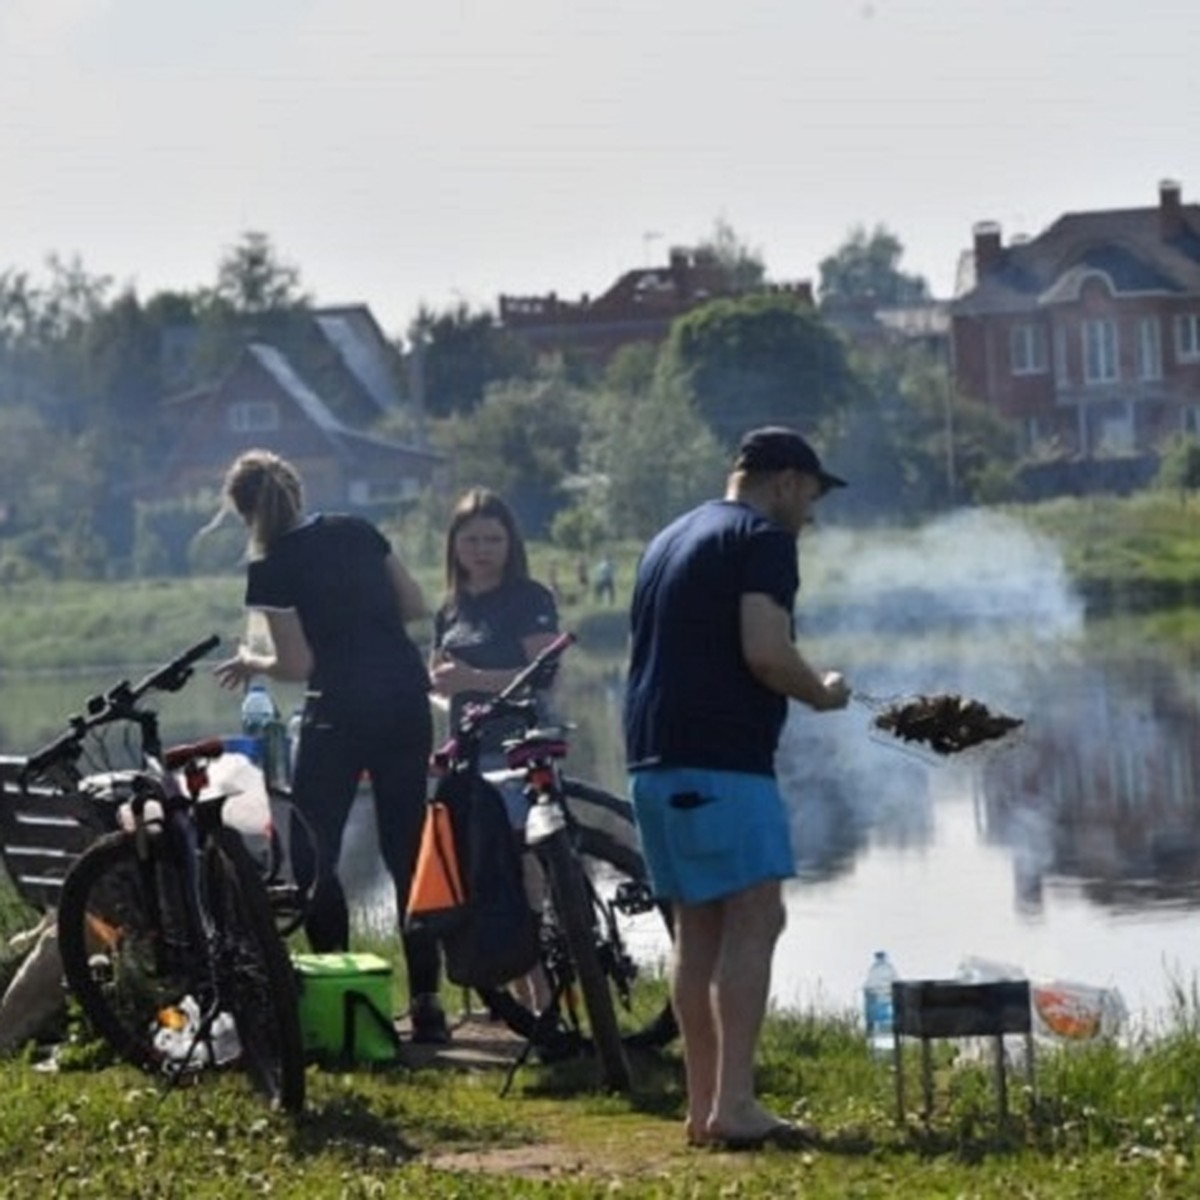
(277, 366)
(343, 440)
(1125, 246)
(356, 337)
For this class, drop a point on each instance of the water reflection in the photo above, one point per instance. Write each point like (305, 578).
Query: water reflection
(1103, 788)
(1072, 850)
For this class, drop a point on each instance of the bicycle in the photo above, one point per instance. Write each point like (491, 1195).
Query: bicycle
(166, 931)
(585, 840)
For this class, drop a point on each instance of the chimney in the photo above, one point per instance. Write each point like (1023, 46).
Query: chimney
(988, 248)
(1170, 210)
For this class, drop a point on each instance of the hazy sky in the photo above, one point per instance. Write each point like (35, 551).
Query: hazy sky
(401, 152)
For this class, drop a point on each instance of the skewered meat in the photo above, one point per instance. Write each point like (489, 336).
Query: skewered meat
(947, 723)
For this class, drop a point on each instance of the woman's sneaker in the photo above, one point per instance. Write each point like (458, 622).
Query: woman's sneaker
(429, 1026)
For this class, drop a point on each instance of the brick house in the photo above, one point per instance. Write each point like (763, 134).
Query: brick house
(639, 307)
(262, 401)
(1087, 336)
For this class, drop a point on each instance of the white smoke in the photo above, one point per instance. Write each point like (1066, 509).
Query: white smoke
(970, 603)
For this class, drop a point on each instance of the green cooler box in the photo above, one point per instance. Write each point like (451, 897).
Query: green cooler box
(346, 1007)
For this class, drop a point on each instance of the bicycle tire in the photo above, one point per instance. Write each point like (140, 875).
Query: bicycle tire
(254, 973)
(126, 946)
(605, 833)
(573, 904)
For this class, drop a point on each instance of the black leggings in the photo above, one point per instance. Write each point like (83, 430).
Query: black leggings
(331, 760)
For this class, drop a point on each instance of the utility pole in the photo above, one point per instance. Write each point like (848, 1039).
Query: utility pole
(948, 412)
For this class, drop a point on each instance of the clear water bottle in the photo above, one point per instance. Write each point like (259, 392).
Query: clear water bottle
(294, 726)
(226, 1045)
(258, 709)
(877, 1004)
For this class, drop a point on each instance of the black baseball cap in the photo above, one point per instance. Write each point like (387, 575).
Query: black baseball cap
(777, 448)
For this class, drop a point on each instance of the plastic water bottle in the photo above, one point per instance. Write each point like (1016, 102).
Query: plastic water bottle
(258, 709)
(294, 726)
(226, 1045)
(877, 1004)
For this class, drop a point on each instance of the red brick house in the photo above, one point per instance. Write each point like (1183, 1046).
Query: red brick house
(639, 307)
(263, 401)
(1087, 336)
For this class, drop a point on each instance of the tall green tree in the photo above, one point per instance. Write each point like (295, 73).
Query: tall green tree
(462, 351)
(864, 271)
(908, 445)
(741, 263)
(759, 359)
(646, 457)
(522, 441)
(252, 277)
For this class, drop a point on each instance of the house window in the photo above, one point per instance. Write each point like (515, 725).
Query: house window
(1187, 337)
(1100, 351)
(1027, 346)
(1149, 349)
(1190, 420)
(254, 416)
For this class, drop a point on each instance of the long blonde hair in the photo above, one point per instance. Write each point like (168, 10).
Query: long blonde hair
(266, 491)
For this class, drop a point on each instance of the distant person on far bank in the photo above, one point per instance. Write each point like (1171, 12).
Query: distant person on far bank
(604, 580)
(712, 666)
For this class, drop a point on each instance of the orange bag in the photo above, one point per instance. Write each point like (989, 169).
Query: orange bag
(436, 899)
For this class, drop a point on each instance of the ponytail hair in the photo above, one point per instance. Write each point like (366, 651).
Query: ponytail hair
(266, 491)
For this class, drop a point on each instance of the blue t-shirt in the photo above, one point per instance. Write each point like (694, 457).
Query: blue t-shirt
(488, 631)
(690, 700)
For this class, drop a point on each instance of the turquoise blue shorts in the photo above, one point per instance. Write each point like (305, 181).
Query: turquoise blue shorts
(709, 834)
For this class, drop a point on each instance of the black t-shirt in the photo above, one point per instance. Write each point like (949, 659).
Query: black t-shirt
(331, 570)
(487, 631)
(690, 700)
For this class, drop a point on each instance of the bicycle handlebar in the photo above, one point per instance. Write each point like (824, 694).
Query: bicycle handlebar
(511, 700)
(119, 703)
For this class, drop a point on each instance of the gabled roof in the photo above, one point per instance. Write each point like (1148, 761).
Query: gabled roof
(355, 335)
(342, 439)
(285, 375)
(1124, 246)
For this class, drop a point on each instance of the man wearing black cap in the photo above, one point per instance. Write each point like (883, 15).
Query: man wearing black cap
(712, 665)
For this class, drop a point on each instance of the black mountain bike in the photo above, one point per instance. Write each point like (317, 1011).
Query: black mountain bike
(585, 841)
(166, 931)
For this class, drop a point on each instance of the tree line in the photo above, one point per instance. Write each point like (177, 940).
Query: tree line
(586, 451)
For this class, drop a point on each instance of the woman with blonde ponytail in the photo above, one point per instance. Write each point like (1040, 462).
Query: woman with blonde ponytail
(335, 599)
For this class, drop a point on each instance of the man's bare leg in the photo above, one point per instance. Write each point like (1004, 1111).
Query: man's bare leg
(698, 929)
(753, 921)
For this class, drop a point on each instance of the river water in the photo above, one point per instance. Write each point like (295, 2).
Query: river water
(1070, 850)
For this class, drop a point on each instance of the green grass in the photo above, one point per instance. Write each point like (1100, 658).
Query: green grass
(1106, 1122)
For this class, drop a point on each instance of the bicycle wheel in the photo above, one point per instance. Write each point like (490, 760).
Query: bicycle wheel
(606, 843)
(127, 949)
(253, 974)
(573, 906)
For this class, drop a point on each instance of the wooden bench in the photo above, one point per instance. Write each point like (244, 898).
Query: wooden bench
(43, 830)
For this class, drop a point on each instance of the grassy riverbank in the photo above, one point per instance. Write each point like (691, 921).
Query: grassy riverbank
(1106, 1123)
(1136, 555)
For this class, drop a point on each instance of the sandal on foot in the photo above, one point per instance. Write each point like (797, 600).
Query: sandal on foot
(784, 1135)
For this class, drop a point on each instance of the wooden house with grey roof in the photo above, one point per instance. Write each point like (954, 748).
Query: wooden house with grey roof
(262, 400)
